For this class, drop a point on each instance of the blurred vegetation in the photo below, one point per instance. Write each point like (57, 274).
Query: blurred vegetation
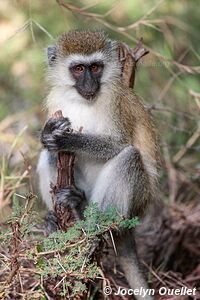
(167, 79)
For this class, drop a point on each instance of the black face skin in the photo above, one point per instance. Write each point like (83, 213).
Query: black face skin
(88, 78)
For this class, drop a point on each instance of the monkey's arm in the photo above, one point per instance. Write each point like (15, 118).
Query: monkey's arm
(56, 136)
(126, 160)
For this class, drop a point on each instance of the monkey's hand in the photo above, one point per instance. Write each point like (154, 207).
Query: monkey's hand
(52, 132)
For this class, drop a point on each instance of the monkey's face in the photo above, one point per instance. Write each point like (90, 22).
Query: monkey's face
(87, 77)
(84, 63)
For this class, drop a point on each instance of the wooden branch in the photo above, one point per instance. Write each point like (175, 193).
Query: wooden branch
(128, 58)
(65, 178)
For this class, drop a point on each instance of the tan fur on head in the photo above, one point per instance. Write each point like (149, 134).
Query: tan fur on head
(84, 42)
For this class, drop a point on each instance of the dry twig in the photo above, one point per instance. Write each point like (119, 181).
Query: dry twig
(16, 240)
(65, 178)
(129, 58)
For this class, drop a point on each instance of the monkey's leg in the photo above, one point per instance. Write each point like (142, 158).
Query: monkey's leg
(123, 183)
(127, 253)
(46, 170)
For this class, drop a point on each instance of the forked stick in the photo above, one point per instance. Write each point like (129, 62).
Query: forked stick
(128, 58)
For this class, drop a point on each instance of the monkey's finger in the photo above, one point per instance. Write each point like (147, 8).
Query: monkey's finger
(53, 124)
(61, 132)
(65, 127)
(50, 142)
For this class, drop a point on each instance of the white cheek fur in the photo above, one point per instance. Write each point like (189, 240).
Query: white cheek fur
(60, 76)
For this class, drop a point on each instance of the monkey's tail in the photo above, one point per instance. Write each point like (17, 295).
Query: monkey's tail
(128, 259)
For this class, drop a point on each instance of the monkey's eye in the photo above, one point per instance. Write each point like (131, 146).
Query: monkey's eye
(95, 68)
(79, 69)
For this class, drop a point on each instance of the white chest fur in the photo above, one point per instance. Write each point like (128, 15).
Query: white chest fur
(96, 117)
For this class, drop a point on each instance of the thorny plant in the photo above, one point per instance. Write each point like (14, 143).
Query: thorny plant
(59, 265)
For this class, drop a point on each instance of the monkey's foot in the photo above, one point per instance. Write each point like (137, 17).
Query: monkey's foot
(73, 198)
(51, 222)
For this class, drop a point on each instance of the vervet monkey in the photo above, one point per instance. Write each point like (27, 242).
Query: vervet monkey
(116, 151)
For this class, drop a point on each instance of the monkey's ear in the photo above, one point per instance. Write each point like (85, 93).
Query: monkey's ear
(51, 54)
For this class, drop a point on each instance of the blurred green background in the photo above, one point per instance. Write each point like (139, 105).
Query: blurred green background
(168, 79)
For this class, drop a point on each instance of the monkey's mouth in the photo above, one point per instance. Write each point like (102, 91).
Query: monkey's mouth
(90, 97)
(88, 94)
